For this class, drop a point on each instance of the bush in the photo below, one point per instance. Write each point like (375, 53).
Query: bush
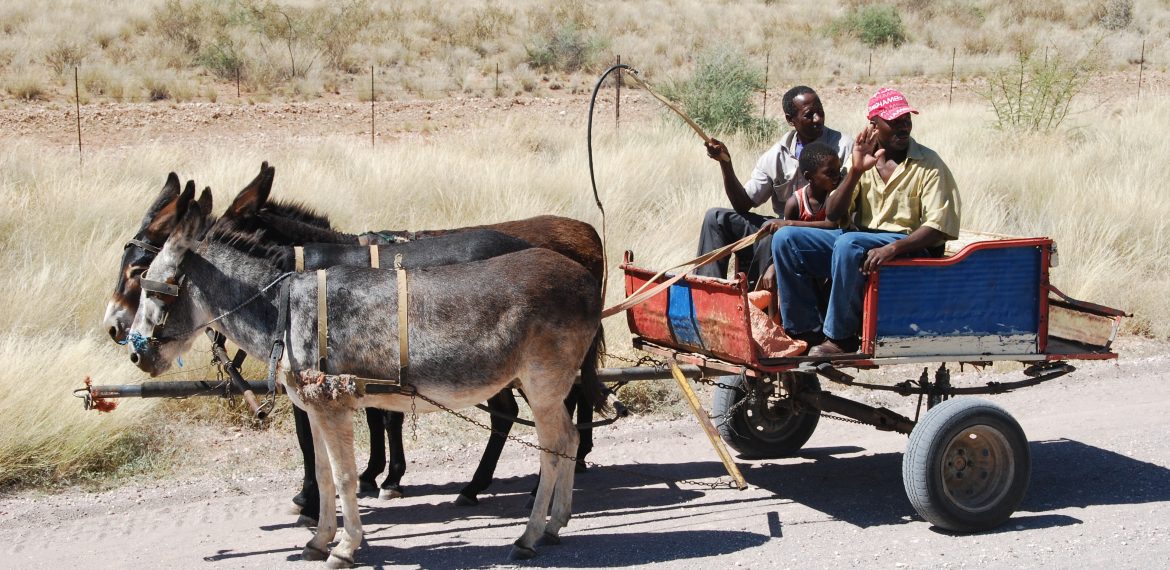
(874, 25)
(1035, 94)
(27, 87)
(718, 96)
(567, 49)
(1114, 14)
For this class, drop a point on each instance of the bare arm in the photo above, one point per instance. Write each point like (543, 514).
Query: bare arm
(919, 239)
(865, 156)
(731, 185)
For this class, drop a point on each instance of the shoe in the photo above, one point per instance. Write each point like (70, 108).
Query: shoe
(833, 347)
(811, 338)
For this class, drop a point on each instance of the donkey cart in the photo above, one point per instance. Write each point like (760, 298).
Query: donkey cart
(967, 465)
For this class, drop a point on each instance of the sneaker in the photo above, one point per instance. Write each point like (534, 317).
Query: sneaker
(833, 347)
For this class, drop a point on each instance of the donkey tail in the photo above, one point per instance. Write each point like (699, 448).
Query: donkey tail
(592, 388)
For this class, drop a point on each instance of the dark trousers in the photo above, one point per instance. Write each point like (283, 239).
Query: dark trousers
(722, 226)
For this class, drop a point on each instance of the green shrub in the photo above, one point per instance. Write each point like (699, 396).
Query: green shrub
(874, 25)
(718, 96)
(1035, 94)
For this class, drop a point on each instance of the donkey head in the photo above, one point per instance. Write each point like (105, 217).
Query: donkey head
(165, 324)
(137, 254)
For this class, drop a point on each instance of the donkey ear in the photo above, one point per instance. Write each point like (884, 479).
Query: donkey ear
(204, 205)
(253, 196)
(192, 220)
(164, 220)
(170, 192)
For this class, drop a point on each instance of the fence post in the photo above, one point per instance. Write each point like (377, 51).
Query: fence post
(1141, 68)
(371, 106)
(497, 91)
(767, 66)
(951, 93)
(237, 80)
(77, 102)
(617, 107)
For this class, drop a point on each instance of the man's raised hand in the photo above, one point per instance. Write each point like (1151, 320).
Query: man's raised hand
(717, 150)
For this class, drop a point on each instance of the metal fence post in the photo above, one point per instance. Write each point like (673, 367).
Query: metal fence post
(77, 103)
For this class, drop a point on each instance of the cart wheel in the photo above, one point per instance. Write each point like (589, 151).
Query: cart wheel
(763, 426)
(967, 465)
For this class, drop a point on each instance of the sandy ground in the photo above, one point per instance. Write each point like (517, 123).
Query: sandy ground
(1099, 497)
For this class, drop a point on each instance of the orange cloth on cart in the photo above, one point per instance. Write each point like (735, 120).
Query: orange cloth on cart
(768, 336)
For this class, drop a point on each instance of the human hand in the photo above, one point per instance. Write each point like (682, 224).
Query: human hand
(865, 149)
(767, 281)
(772, 225)
(718, 151)
(877, 256)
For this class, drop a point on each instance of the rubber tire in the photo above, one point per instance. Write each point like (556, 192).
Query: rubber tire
(924, 464)
(751, 443)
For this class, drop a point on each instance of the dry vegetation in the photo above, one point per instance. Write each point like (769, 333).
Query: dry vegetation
(1094, 186)
(193, 49)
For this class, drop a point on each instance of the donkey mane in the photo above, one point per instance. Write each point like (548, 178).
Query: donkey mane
(296, 211)
(254, 243)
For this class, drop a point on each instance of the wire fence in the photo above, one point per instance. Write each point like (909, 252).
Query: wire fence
(955, 70)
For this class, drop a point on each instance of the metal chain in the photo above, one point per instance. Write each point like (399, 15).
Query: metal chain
(843, 419)
(723, 483)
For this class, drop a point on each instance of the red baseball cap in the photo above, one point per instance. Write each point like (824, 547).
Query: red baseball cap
(888, 104)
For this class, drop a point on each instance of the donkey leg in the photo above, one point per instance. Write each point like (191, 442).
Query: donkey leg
(555, 431)
(505, 403)
(584, 417)
(309, 499)
(318, 547)
(562, 500)
(337, 423)
(392, 486)
(367, 481)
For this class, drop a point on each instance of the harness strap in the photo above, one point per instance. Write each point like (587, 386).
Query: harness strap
(159, 287)
(143, 245)
(299, 258)
(374, 261)
(282, 302)
(403, 325)
(322, 320)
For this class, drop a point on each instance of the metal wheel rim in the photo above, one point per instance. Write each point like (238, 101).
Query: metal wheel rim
(766, 420)
(977, 468)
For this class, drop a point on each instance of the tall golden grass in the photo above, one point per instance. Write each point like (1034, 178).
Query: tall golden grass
(1098, 190)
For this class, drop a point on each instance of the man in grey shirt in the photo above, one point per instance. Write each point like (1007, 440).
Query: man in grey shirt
(775, 177)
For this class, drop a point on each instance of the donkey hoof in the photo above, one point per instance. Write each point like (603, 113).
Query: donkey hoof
(547, 539)
(336, 561)
(466, 501)
(307, 521)
(313, 553)
(367, 488)
(521, 552)
(388, 493)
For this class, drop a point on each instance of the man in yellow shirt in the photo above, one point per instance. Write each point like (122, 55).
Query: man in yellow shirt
(907, 205)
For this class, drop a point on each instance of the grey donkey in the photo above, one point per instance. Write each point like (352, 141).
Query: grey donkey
(526, 318)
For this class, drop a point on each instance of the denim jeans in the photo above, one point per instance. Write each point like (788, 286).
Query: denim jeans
(803, 255)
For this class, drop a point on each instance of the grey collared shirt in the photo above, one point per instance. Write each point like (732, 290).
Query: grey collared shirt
(777, 173)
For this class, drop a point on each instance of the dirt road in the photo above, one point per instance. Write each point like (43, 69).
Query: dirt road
(1100, 496)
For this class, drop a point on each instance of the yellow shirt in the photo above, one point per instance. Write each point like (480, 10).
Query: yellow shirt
(921, 192)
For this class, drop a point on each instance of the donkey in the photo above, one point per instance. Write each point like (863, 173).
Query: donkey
(527, 317)
(290, 224)
(575, 238)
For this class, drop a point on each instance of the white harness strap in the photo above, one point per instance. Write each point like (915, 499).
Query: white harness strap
(322, 321)
(403, 328)
(374, 261)
(299, 258)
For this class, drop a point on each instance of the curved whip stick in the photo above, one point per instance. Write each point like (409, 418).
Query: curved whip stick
(633, 73)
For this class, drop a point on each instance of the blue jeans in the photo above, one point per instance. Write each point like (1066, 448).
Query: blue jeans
(803, 255)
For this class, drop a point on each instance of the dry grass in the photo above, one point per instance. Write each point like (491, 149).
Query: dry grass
(1094, 190)
(426, 52)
